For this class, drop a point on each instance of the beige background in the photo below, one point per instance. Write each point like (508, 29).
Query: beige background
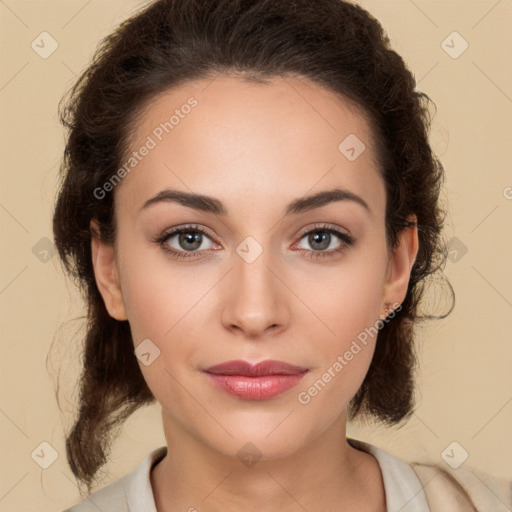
(465, 378)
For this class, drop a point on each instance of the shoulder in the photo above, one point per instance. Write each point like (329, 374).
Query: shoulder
(402, 486)
(463, 489)
(131, 493)
(112, 497)
(423, 486)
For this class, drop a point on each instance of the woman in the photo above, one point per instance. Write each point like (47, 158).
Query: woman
(251, 205)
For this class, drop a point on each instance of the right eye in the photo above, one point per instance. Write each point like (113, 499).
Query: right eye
(189, 240)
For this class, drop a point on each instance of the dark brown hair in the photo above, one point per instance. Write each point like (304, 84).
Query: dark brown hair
(332, 42)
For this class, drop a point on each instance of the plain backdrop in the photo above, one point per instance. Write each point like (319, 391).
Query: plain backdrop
(464, 378)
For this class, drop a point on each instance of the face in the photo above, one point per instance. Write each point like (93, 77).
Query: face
(255, 279)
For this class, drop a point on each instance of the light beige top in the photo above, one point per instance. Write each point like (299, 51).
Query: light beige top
(409, 487)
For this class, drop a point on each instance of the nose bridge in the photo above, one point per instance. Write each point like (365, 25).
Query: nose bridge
(255, 296)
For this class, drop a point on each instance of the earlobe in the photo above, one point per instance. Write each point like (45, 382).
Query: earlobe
(400, 265)
(106, 274)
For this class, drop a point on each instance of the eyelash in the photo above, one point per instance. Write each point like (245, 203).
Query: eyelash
(181, 255)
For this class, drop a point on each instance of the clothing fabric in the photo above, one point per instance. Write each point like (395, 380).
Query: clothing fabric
(409, 487)
(464, 489)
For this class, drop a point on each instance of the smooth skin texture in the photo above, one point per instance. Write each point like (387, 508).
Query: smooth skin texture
(256, 148)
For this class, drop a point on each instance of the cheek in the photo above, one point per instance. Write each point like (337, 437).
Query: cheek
(157, 293)
(343, 357)
(161, 309)
(349, 305)
(164, 304)
(350, 300)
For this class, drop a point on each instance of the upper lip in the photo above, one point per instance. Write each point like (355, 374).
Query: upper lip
(268, 367)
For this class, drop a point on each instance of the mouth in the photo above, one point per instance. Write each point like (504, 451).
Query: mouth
(260, 381)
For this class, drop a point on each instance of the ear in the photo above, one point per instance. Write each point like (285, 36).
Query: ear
(400, 265)
(106, 274)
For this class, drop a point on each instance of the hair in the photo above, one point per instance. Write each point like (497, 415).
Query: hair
(334, 43)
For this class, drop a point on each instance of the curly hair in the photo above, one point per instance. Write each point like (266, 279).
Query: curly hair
(336, 44)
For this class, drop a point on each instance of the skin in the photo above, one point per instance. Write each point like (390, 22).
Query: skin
(255, 147)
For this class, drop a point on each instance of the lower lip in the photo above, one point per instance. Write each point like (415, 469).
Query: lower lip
(255, 388)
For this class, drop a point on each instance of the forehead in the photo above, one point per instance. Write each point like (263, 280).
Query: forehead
(238, 140)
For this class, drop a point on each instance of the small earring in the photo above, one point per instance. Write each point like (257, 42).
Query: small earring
(388, 310)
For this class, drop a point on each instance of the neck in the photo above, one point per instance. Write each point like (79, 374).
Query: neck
(328, 474)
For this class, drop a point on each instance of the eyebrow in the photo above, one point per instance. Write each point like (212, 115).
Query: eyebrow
(212, 205)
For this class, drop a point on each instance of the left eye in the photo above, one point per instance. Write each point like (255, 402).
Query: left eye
(320, 239)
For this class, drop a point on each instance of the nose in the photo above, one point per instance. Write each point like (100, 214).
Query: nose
(255, 298)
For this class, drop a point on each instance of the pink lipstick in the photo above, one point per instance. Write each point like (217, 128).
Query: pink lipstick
(260, 381)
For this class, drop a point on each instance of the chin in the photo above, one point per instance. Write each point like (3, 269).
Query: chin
(260, 438)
